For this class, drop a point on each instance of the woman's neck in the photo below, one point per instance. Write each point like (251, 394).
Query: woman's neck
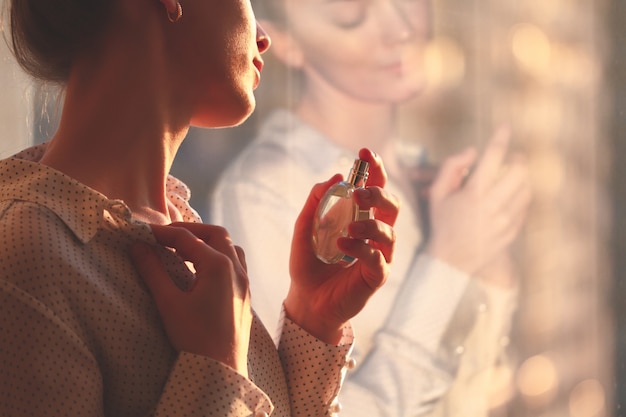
(350, 123)
(353, 124)
(116, 134)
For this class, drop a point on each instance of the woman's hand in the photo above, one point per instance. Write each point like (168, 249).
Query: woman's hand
(322, 298)
(474, 220)
(213, 318)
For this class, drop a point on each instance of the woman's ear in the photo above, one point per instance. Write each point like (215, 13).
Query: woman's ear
(284, 46)
(170, 5)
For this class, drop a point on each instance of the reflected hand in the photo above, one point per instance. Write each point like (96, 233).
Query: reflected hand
(213, 318)
(322, 298)
(472, 223)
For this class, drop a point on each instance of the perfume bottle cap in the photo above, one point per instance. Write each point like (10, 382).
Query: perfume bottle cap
(359, 173)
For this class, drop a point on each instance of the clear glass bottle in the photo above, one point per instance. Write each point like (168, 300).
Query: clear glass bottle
(336, 211)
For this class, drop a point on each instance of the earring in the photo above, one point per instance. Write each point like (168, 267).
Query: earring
(175, 17)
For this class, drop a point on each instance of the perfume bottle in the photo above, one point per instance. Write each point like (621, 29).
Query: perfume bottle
(335, 212)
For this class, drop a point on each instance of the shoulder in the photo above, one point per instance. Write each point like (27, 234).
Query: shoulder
(35, 237)
(24, 220)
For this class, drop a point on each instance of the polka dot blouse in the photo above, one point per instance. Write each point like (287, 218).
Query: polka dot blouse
(81, 336)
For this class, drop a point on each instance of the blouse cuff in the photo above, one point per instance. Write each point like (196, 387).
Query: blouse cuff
(347, 336)
(499, 298)
(427, 301)
(198, 385)
(315, 369)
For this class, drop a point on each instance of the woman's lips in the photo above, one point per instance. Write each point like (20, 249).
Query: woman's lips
(258, 64)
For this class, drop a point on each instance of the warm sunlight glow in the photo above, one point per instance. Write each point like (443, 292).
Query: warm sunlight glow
(538, 380)
(587, 399)
(531, 49)
(445, 63)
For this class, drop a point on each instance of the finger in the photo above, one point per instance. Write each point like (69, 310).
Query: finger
(386, 205)
(374, 267)
(379, 235)
(513, 183)
(452, 174)
(518, 207)
(242, 257)
(377, 174)
(187, 245)
(489, 165)
(207, 261)
(512, 216)
(154, 274)
(216, 237)
(519, 219)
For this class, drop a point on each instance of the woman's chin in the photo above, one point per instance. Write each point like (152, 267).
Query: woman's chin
(407, 93)
(227, 115)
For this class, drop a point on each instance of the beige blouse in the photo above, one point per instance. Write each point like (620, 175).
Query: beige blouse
(81, 336)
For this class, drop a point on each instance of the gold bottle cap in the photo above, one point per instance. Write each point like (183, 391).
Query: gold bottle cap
(359, 173)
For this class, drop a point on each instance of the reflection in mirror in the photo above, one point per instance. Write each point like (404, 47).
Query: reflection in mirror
(540, 68)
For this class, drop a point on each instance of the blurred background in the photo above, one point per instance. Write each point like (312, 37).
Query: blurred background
(554, 70)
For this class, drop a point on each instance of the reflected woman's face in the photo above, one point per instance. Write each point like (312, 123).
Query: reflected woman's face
(369, 49)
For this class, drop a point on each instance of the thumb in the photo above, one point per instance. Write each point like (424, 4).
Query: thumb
(452, 173)
(304, 223)
(377, 174)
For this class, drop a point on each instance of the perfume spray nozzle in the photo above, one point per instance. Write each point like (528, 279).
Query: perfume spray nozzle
(360, 172)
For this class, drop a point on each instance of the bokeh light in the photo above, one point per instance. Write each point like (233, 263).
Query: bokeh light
(587, 399)
(532, 49)
(538, 380)
(445, 63)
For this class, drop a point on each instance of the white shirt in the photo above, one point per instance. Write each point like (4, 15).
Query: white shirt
(430, 335)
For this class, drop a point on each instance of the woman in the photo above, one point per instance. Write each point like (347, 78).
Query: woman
(431, 338)
(88, 332)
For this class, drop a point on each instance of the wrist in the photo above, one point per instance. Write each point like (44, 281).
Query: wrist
(314, 323)
(467, 264)
(500, 272)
